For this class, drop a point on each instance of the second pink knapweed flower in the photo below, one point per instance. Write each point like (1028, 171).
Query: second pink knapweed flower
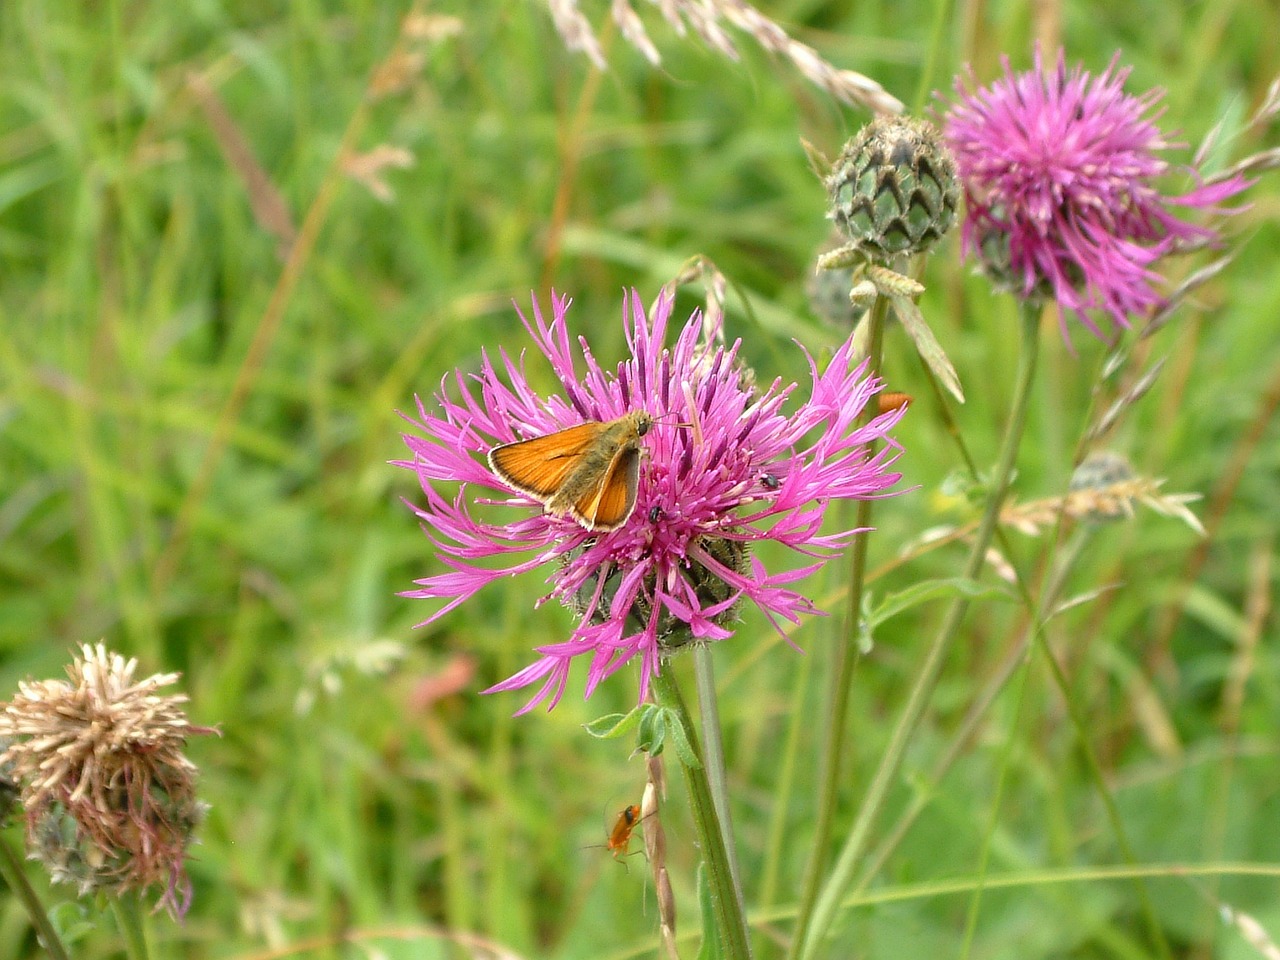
(723, 468)
(1061, 171)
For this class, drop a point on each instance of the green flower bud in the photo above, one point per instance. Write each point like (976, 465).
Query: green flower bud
(894, 191)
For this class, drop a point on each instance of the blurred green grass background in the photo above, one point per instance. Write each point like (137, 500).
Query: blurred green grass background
(135, 280)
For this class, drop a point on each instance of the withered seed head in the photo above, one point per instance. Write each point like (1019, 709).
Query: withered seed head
(108, 793)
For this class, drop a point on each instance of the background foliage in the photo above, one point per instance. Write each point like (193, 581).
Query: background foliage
(194, 436)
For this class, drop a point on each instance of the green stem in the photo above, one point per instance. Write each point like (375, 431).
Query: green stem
(731, 924)
(786, 780)
(16, 878)
(1036, 635)
(939, 46)
(1080, 723)
(842, 875)
(844, 660)
(968, 728)
(993, 820)
(713, 756)
(128, 911)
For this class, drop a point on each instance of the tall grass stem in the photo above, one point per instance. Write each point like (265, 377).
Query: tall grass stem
(922, 691)
(968, 729)
(785, 786)
(844, 661)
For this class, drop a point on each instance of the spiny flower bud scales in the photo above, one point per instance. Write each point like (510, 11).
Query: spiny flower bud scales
(893, 190)
(109, 794)
(709, 587)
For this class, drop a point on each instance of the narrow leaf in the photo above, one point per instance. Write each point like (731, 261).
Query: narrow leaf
(896, 603)
(818, 162)
(927, 345)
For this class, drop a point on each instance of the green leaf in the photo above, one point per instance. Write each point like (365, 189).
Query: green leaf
(72, 921)
(926, 590)
(818, 161)
(927, 345)
(653, 731)
(613, 725)
(960, 483)
(866, 624)
(680, 739)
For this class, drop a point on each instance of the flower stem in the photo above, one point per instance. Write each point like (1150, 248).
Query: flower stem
(16, 878)
(842, 874)
(730, 921)
(713, 755)
(785, 783)
(128, 912)
(844, 660)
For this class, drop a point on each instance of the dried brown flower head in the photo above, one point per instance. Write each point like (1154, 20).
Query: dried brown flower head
(109, 795)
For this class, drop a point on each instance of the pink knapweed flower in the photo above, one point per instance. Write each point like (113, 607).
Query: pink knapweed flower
(1060, 172)
(723, 467)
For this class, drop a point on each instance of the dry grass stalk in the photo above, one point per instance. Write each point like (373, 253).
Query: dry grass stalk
(847, 86)
(419, 33)
(251, 367)
(431, 27)
(632, 29)
(655, 848)
(1250, 166)
(1270, 105)
(1262, 117)
(700, 269)
(1254, 933)
(703, 18)
(575, 30)
(1117, 410)
(1114, 501)
(1257, 611)
(267, 203)
(368, 168)
(1178, 296)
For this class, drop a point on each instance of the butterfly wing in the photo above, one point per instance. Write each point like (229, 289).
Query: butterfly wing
(539, 466)
(608, 504)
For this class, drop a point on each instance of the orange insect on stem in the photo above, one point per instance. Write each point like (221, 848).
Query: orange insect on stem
(893, 401)
(620, 835)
